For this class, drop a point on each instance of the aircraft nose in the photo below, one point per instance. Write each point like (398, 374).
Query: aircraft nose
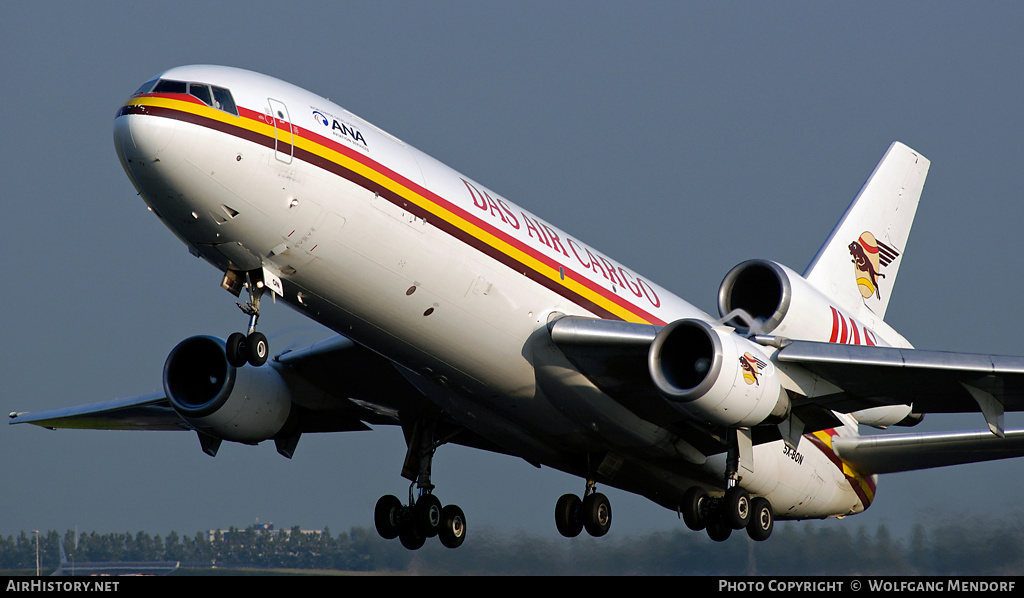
(139, 138)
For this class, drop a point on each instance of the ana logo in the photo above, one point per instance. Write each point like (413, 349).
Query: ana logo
(869, 257)
(752, 368)
(340, 129)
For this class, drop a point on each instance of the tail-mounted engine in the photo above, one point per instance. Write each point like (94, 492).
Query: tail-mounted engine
(781, 302)
(712, 374)
(246, 405)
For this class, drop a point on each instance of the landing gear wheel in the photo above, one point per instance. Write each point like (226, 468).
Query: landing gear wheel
(386, 516)
(567, 515)
(453, 527)
(427, 515)
(411, 538)
(257, 349)
(596, 514)
(762, 520)
(736, 508)
(693, 508)
(236, 351)
(718, 530)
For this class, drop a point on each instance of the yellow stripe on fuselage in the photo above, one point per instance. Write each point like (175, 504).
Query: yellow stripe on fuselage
(407, 192)
(867, 487)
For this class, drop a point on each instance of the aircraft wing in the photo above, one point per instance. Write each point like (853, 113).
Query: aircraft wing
(931, 381)
(362, 386)
(614, 356)
(150, 411)
(908, 452)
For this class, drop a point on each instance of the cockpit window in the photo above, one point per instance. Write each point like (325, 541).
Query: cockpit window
(148, 85)
(222, 100)
(202, 92)
(211, 95)
(168, 86)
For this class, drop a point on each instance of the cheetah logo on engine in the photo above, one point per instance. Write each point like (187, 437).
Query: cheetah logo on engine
(869, 257)
(752, 368)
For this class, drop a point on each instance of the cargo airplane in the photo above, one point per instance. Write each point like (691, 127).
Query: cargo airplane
(464, 318)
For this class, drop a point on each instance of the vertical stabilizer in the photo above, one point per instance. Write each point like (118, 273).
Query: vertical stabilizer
(857, 265)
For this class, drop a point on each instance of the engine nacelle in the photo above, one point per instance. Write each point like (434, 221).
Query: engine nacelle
(713, 375)
(239, 404)
(785, 304)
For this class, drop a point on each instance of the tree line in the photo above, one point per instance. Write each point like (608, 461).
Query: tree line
(952, 547)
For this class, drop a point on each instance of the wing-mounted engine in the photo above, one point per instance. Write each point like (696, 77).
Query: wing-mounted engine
(712, 374)
(247, 405)
(780, 302)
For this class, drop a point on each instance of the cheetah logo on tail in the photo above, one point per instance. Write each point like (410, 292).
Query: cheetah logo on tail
(869, 257)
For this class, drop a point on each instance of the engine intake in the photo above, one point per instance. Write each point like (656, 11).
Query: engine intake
(239, 404)
(713, 375)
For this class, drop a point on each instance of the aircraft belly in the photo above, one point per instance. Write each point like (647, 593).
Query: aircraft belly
(809, 484)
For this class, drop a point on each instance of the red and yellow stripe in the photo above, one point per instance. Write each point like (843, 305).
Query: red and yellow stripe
(863, 486)
(355, 166)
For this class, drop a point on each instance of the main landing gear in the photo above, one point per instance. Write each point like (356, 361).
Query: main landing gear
(424, 517)
(593, 513)
(252, 347)
(736, 509)
(721, 515)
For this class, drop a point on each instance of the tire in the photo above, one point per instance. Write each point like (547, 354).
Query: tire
(694, 502)
(387, 516)
(411, 538)
(567, 515)
(235, 349)
(453, 527)
(736, 508)
(596, 514)
(762, 519)
(427, 515)
(257, 349)
(718, 530)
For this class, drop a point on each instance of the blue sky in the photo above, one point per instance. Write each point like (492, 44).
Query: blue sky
(680, 138)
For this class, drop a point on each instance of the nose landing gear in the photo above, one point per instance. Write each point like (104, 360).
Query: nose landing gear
(251, 347)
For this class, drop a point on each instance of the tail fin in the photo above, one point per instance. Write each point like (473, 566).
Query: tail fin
(857, 265)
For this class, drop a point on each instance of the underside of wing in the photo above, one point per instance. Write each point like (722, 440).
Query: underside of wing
(615, 356)
(142, 412)
(909, 452)
(335, 385)
(931, 381)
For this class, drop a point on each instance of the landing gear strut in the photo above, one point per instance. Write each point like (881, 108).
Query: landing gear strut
(424, 517)
(593, 513)
(736, 509)
(251, 347)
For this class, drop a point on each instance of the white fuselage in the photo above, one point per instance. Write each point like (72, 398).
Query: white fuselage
(431, 269)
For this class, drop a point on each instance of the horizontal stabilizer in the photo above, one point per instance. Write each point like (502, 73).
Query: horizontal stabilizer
(909, 452)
